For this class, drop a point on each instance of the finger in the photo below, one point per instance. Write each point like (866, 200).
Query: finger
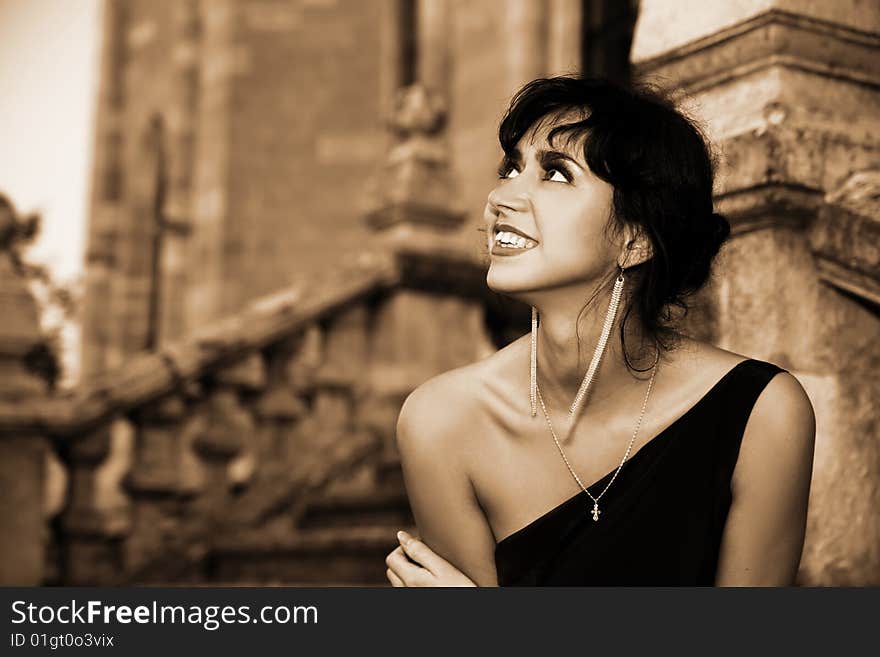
(422, 554)
(394, 579)
(406, 570)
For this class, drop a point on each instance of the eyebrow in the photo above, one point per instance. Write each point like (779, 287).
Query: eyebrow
(544, 154)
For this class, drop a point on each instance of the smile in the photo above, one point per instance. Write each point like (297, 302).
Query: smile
(512, 240)
(509, 243)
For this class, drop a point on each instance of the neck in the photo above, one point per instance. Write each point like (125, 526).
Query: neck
(561, 369)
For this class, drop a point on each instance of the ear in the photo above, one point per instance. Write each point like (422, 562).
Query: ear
(636, 249)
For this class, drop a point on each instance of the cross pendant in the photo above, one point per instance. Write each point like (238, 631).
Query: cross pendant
(596, 511)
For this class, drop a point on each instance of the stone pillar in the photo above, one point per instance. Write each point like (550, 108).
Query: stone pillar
(525, 29)
(433, 40)
(424, 328)
(414, 200)
(22, 451)
(565, 18)
(156, 481)
(226, 442)
(217, 65)
(178, 208)
(91, 544)
(790, 93)
(280, 407)
(107, 190)
(22, 524)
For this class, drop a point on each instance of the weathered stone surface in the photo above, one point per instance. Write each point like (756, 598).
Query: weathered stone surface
(331, 413)
(90, 530)
(846, 237)
(149, 375)
(200, 62)
(667, 25)
(22, 529)
(378, 413)
(158, 450)
(303, 363)
(760, 76)
(154, 521)
(248, 373)
(346, 346)
(409, 334)
(91, 561)
(352, 556)
(770, 38)
(19, 334)
(768, 284)
(281, 405)
(227, 425)
(416, 179)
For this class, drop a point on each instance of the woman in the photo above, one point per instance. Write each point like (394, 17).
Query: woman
(671, 461)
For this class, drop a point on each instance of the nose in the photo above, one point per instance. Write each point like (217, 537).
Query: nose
(508, 198)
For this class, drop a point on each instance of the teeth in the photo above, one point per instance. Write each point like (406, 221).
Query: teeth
(512, 240)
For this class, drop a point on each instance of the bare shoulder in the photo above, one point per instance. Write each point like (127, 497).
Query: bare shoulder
(779, 438)
(433, 426)
(449, 407)
(784, 401)
(438, 409)
(766, 526)
(428, 406)
(780, 432)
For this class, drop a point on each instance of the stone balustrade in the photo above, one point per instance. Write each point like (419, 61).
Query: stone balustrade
(230, 429)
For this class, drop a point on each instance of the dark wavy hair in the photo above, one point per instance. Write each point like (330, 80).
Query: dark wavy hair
(660, 165)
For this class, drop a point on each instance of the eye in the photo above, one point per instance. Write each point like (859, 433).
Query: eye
(558, 176)
(506, 169)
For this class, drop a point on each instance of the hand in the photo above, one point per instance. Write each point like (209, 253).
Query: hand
(429, 569)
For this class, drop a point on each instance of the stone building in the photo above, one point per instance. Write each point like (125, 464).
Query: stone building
(240, 143)
(286, 203)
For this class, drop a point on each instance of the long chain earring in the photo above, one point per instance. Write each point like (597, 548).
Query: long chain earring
(533, 363)
(610, 316)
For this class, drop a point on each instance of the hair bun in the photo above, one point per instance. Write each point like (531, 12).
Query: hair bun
(712, 233)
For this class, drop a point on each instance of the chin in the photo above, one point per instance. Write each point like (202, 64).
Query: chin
(509, 280)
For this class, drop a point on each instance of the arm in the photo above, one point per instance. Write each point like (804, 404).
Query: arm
(764, 534)
(431, 426)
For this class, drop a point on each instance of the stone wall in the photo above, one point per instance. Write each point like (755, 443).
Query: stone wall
(790, 94)
(263, 123)
(234, 144)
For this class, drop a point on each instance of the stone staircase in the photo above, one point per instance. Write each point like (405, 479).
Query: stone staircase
(260, 447)
(338, 537)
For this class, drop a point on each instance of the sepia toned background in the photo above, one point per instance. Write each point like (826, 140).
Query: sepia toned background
(235, 234)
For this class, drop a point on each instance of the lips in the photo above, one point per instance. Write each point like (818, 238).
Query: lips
(502, 227)
(498, 249)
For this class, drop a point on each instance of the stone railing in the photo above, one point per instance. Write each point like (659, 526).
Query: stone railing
(229, 429)
(208, 445)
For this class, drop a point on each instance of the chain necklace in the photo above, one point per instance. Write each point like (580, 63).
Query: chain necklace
(596, 510)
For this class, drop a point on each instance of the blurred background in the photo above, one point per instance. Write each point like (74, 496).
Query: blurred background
(235, 234)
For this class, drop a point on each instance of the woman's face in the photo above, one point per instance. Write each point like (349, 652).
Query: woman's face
(551, 206)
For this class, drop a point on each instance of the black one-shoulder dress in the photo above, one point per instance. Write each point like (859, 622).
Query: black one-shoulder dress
(662, 520)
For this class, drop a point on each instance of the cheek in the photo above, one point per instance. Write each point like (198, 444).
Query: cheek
(578, 236)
